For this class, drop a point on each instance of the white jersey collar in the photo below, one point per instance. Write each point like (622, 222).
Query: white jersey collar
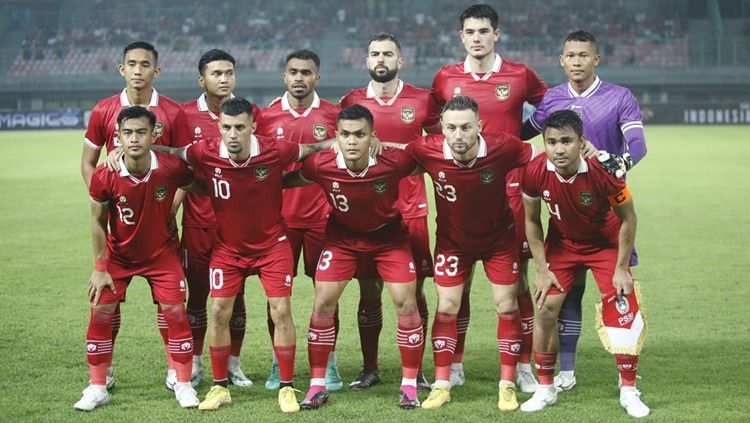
(125, 101)
(589, 91)
(254, 151)
(124, 172)
(285, 106)
(203, 106)
(448, 153)
(583, 167)
(495, 68)
(341, 164)
(371, 94)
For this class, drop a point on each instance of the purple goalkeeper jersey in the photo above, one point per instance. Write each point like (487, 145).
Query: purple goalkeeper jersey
(608, 112)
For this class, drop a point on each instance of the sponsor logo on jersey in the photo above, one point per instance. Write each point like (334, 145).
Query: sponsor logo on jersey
(261, 172)
(217, 171)
(158, 129)
(502, 91)
(320, 131)
(335, 186)
(279, 133)
(487, 175)
(546, 195)
(441, 175)
(587, 198)
(379, 186)
(160, 193)
(123, 200)
(407, 114)
(197, 130)
(288, 281)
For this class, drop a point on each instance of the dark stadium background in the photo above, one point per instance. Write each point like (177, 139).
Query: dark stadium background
(687, 61)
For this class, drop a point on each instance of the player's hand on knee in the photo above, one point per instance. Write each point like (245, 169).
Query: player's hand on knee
(113, 159)
(97, 283)
(623, 282)
(614, 164)
(544, 281)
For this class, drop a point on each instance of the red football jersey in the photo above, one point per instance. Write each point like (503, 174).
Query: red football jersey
(171, 126)
(139, 206)
(246, 197)
(400, 119)
(360, 201)
(500, 93)
(304, 207)
(580, 212)
(472, 210)
(203, 124)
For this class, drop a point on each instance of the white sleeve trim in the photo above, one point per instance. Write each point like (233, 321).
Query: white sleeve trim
(534, 124)
(98, 202)
(631, 125)
(91, 144)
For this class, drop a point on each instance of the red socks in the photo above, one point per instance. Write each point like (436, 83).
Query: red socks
(285, 356)
(237, 325)
(627, 365)
(219, 363)
(545, 366)
(526, 309)
(443, 344)
(509, 343)
(321, 337)
(410, 340)
(462, 326)
(99, 345)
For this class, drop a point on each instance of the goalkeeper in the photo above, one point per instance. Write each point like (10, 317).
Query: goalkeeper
(612, 122)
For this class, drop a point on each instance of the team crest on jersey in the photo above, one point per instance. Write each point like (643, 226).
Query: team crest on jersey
(158, 129)
(379, 186)
(160, 193)
(502, 91)
(261, 172)
(487, 175)
(407, 114)
(622, 305)
(587, 198)
(319, 132)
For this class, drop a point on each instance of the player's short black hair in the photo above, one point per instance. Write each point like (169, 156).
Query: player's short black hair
(213, 56)
(582, 36)
(384, 36)
(356, 112)
(141, 45)
(564, 119)
(461, 102)
(304, 54)
(478, 11)
(136, 112)
(237, 106)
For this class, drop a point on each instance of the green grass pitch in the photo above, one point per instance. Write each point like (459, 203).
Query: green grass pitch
(692, 200)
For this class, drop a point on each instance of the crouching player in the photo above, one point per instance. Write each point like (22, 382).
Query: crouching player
(592, 224)
(130, 212)
(364, 226)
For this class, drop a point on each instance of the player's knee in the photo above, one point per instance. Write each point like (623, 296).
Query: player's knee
(405, 305)
(281, 310)
(221, 311)
(506, 304)
(448, 305)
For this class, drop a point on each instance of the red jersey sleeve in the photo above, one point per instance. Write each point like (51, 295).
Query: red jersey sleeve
(521, 152)
(309, 169)
(95, 130)
(289, 152)
(530, 181)
(433, 112)
(195, 152)
(437, 98)
(98, 190)
(181, 173)
(405, 161)
(346, 100)
(535, 87)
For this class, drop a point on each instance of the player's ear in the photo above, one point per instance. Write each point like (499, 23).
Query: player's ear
(202, 81)
(496, 34)
(400, 62)
(121, 69)
(596, 59)
(157, 71)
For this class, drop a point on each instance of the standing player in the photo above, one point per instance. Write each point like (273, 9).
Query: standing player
(364, 226)
(216, 77)
(612, 122)
(592, 224)
(139, 68)
(500, 87)
(400, 113)
(132, 236)
(474, 223)
(245, 175)
(300, 116)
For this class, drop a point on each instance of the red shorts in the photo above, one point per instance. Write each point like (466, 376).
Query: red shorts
(453, 267)
(228, 271)
(163, 272)
(566, 264)
(386, 250)
(519, 218)
(197, 246)
(309, 240)
(419, 240)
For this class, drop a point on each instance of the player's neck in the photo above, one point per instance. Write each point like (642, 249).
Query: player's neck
(581, 86)
(214, 102)
(139, 97)
(357, 165)
(386, 89)
(242, 156)
(301, 103)
(570, 169)
(483, 64)
(138, 165)
(468, 156)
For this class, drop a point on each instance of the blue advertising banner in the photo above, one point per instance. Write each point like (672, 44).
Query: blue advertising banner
(45, 119)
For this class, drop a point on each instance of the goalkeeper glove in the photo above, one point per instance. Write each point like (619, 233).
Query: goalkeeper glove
(614, 164)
